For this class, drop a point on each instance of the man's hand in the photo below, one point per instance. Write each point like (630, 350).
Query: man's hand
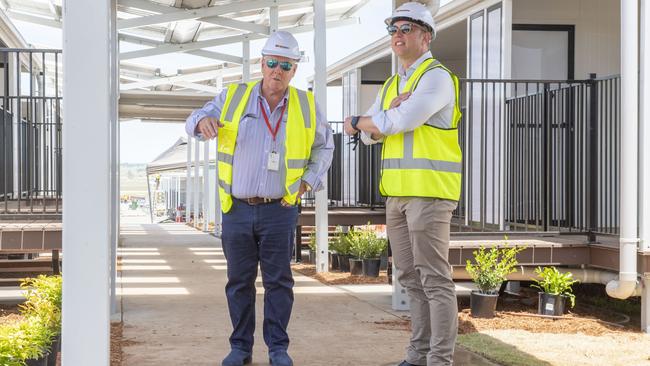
(304, 187)
(399, 99)
(347, 126)
(208, 127)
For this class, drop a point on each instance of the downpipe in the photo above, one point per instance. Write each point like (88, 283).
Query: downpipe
(626, 284)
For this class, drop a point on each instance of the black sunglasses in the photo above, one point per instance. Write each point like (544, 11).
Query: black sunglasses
(272, 63)
(405, 28)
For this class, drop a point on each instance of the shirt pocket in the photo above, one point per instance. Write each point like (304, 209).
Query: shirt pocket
(246, 126)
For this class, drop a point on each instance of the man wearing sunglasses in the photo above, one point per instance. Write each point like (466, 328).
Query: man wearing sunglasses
(274, 144)
(416, 114)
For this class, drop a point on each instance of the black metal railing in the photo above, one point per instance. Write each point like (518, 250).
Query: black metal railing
(353, 177)
(30, 156)
(538, 156)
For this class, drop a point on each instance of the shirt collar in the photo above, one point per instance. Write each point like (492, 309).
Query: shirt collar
(258, 90)
(405, 73)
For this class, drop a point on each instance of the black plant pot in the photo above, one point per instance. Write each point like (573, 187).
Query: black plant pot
(56, 344)
(344, 262)
(371, 267)
(551, 304)
(483, 305)
(384, 263)
(356, 267)
(335, 261)
(38, 362)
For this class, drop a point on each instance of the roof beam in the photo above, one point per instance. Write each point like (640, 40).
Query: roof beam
(217, 56)
(200, 87)
(34, 19)
(203, 53)
(201, 13)
(190, 46)
(172, 79)
(147, 5)
(236, 24)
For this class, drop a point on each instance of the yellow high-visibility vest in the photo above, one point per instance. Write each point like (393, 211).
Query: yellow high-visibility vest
(427, 161)
(299, 138)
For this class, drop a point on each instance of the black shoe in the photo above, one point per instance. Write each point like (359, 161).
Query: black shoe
(404, 363)
(237, 358)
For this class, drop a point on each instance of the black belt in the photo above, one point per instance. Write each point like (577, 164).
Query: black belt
(258, 200)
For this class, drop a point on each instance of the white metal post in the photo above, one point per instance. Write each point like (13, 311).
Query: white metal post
(246, 58)
(206, 185)
(644, 130)
(197, 181)
(115, 159)
(89, 29)
(645, 304)
(273, 19)
(320, 93)
(400, 299)
(188, 181)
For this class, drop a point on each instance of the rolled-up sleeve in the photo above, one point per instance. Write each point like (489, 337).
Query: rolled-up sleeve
(366, 137)
(435, 91)
(210, 109)
(322, 151)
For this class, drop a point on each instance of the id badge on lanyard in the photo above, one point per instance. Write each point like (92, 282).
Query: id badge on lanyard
(273, 161)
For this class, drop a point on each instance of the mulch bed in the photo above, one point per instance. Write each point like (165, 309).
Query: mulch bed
(338, 278)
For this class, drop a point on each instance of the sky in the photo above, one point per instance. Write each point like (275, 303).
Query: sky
(142, 142)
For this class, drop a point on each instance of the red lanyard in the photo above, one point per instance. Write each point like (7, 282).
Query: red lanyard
(274, 132)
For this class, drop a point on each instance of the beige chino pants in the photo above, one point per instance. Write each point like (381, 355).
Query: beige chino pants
(418, 230)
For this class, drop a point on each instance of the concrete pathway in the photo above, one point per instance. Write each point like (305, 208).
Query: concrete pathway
(174, 309)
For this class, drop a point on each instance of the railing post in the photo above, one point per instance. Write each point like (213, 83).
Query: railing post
(592, 158)
(546, 158)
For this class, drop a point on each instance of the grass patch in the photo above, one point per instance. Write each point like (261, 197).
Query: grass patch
(497, 351)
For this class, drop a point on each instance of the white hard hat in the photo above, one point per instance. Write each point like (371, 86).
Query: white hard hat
(282, 43)
(415, 12)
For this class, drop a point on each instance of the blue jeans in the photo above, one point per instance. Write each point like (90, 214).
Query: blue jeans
(261, 234)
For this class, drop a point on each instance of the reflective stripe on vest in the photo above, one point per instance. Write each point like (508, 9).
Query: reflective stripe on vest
(425, 162)
(300, 130)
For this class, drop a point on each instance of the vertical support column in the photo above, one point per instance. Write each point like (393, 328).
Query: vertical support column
(115, 156)
(644, 130)
(197, 180)
(89, 29)
(188, 181)
(246, 56)
(206, 186)
(629, 141)
(400, 300)
(645, 304)
(273, 19)
(320, 93)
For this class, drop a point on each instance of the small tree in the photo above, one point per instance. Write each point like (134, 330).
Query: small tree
(554, 282)
(492, 267)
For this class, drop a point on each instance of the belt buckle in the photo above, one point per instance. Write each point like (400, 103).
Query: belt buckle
(267, 200)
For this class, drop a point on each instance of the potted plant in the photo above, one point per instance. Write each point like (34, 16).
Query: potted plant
(32, 340)
(371, 256)
(490, 269)
(357, 248)
(343, 247)
(312, 247)
(556, 288)
(335, 248)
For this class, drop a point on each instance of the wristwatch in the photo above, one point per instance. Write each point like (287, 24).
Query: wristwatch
(355, 121)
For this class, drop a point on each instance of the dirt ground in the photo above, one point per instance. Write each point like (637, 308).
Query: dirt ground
(338, 278)
(598, 331)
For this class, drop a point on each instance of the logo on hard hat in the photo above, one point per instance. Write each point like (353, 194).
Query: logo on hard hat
(281, 46)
